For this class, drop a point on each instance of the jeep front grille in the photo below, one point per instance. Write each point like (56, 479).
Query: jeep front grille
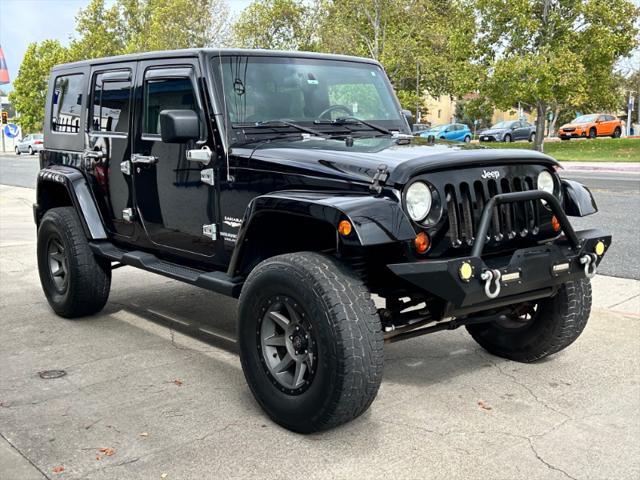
(465, 202)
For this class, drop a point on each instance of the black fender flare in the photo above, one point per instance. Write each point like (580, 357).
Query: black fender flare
(578, 200)
(80, 194)
(375, 220)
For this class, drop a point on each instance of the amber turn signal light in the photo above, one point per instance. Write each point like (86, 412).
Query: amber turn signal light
(422, 242)
(555, 224)
(345, 228)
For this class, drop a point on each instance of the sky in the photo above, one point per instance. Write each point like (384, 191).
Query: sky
(26, 21)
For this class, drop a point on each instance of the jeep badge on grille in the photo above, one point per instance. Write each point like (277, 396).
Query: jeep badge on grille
(490, 174)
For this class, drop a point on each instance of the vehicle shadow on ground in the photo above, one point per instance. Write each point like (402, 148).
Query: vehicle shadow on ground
(211, 318)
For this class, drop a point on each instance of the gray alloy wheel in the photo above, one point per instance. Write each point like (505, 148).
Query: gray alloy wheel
(58, 263)
(532, 137)
(593, 133)
(617, 133)
(467, 139)
(287, 345)
(30, 150)
(507, 138)
(17, 151)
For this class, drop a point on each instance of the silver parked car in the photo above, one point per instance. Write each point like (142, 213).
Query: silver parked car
(30, 144)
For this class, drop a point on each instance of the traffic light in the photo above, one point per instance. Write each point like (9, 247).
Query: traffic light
(5, 118)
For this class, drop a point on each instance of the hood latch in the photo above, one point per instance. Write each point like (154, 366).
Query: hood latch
(379, 178)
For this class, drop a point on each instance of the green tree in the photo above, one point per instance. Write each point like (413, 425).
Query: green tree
(474, 111)
(30, 85)
(130, 26)
(553, 55)
(419, 45)
(277, 24)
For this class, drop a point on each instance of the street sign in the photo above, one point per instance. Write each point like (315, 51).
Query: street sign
(11, 130)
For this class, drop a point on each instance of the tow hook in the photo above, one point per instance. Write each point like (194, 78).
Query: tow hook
(491, 276)
(589, 262)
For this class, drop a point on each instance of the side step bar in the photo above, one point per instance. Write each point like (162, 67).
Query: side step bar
(218, 282)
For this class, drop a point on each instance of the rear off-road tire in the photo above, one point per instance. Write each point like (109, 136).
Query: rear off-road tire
(617, 133)
(593, 133)
(556, 323)
(75, 281)
(316, 310)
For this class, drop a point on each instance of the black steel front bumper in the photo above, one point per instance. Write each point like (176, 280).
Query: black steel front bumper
(525, 274)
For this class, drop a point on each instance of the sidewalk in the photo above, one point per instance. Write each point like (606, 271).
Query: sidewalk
(628, 167)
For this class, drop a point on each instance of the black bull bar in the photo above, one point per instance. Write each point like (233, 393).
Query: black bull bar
(471, 284)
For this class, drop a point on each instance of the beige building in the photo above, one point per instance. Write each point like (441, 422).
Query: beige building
(443, 110)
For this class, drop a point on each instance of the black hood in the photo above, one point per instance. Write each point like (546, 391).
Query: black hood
(403, 158)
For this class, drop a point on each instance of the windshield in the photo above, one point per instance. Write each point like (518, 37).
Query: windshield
(585, 119)
(305, 91)
(503, 125)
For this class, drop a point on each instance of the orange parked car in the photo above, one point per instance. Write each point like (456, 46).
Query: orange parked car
(591, 126)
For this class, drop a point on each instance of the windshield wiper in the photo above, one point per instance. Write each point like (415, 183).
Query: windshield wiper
(283, 123)
(352, 120)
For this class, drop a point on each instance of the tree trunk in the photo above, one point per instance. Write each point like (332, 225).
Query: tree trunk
(541, 121)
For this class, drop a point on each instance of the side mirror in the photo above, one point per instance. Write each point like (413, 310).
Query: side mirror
(408, 116)
(178, 126)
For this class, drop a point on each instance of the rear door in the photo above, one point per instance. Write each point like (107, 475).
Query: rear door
(110, 112)
(176, 208)
(604, 125)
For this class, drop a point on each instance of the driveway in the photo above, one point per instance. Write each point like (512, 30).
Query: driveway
(153, 389)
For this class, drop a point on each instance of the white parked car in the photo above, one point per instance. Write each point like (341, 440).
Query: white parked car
(30, 144)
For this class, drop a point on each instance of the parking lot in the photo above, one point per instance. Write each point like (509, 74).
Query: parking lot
(153, 389)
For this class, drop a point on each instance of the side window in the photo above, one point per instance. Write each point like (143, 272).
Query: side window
(111, 99)
(67, 104)
(166, 94)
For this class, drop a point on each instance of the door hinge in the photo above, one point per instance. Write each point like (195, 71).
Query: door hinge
(206, 176)
(210, 231)
(125, 167)
(127, 214)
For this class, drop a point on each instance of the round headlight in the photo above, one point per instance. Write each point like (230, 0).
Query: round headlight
(545, 182)
(418, 200)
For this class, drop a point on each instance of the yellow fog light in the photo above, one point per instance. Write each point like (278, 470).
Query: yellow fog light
(465, 271)
(599, 248)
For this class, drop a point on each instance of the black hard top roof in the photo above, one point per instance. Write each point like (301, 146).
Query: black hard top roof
(195, 52)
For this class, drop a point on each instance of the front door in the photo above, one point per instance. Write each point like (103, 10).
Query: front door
(174, 204)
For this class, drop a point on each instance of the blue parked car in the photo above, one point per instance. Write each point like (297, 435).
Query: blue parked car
(457, 132)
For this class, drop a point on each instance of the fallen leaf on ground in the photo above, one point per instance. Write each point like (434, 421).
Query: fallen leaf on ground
(98, 457)
(58, 469)
(178, 382)
(164, 475)
(483, 405)
(108, 451)
(144, 434)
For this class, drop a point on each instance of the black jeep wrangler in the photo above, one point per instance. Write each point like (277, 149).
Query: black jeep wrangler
(292, 182)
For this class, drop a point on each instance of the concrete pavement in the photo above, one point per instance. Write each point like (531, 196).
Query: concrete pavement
(155, 377)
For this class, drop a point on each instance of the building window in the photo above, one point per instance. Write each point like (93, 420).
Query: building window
(67, 103)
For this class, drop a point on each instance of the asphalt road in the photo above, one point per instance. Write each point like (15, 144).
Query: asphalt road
(617, 195)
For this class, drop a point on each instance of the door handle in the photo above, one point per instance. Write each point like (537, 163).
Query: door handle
(146, 159)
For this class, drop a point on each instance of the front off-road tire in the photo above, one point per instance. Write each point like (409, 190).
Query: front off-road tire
(318, 311)
(75, 281)
(556, 323)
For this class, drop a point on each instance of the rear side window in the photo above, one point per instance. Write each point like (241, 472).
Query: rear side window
(166, 94)
(67, 104)
(111, 103)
